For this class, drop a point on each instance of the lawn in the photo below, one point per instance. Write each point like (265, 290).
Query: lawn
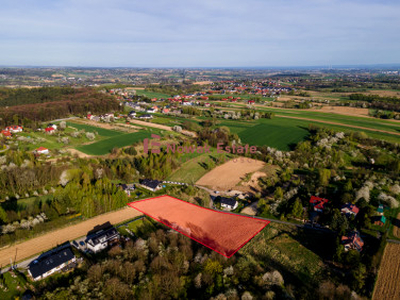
(193, 168)
(277, 133)
(121, 140)
(297, 253)
(150, 94)
(14, 286)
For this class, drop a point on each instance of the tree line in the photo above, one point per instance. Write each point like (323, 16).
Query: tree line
(44, 106)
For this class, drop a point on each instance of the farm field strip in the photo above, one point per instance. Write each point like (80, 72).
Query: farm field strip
(387, 285)
(345, 120)
(222, 232)
(101, 131)
(122, 140)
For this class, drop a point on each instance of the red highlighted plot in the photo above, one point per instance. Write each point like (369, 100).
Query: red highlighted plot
(222, 232)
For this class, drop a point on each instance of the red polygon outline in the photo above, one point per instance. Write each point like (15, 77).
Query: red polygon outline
(215, 211)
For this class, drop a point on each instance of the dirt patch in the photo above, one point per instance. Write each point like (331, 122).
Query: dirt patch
(343, 110)
(202, 82)
(57, 237)
(384, 93)
(79, 153)
(110, 126)
(250, 210)
(213, 229)
(228, 175)
(162, 127)
(252, 184)
(387, 285)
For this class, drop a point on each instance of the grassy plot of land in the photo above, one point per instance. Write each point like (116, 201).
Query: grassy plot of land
(150, 94)
(89, 128)
(11, 284)
(194, 166)
(122, 140)
(295, 253)
(278, 133)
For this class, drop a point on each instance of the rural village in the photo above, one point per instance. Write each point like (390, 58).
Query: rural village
(283, 186)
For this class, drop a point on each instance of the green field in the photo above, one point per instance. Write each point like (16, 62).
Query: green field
(294, 252)
(277, 133)
(100, 131)
(122, 140)
(149, 94)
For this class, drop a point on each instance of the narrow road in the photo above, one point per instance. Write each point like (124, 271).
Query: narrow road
(50, 240)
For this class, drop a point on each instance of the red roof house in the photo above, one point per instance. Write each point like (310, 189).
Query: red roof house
(42, 150)
(350, 209)
(6, 133)
(353, 241)
(14, 128)
(49, 130)
(318, 203)
(251, 102)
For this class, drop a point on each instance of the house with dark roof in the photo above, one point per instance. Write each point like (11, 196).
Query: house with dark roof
(146, 116)
(51, 262)
(127, 188)
(228, 203)
(101, 239)
(151, 184)
(380, 210)
(353, 241)
(350, 210)
(318, 203)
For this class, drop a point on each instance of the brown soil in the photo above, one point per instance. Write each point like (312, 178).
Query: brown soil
(59, 236)
(110, 126)
(343, 110)
(162, 127)
(222, 232)
(202, 82)
(228, 175)
(387, 285)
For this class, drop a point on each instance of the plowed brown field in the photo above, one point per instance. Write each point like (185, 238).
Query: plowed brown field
(387, 285)
(228, 175)
(222, 232)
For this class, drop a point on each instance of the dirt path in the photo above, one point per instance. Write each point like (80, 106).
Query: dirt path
(59, 236)
(162, 127)
(149, 124)
(341, 124)
(109, 126)
(79, 153)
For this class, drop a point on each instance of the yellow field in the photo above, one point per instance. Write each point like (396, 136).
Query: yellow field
(387, 285)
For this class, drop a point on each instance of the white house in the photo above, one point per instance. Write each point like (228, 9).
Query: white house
(42, 150)
(229, 203)
(102, 239)
(14, 128)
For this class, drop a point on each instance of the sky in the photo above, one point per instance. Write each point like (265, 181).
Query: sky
(200, 33)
